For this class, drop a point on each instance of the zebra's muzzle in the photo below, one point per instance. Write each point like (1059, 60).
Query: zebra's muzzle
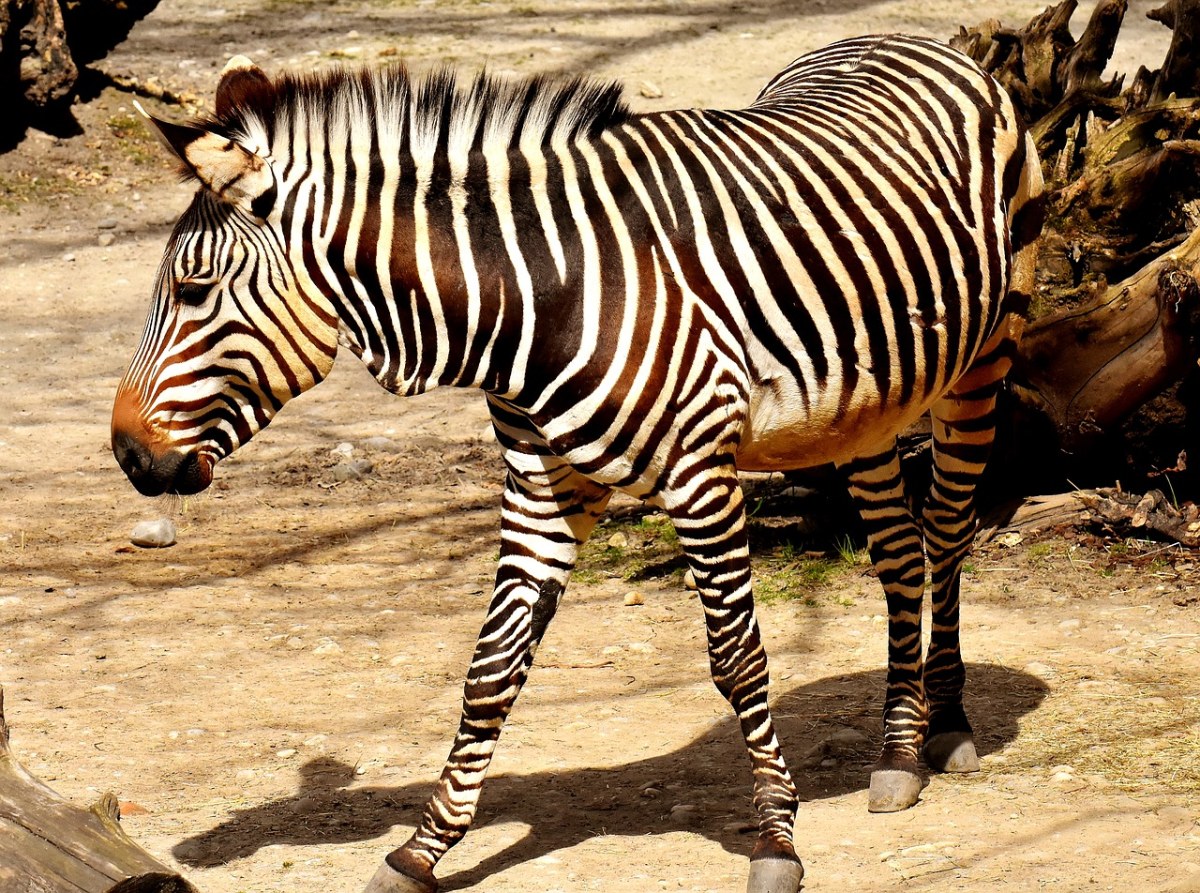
(153, 474)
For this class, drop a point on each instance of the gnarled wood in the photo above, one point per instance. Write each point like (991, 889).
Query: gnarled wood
(48, 845)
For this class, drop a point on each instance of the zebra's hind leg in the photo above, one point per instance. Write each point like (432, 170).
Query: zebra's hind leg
(708, 513)
(896, 551)
(963, 430)
(548, 511)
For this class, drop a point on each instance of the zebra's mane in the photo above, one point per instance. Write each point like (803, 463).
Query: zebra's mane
(432, 111)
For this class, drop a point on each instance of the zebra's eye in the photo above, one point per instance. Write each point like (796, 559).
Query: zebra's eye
(192, 293)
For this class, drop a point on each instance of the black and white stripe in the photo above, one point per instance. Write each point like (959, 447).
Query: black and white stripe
(650, 302)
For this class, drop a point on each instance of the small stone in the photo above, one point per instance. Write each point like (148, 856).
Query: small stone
(286, 752)
(353, 470)
(634, 598)
(847, 739)
(650, 90)
(689, 580)
(1036, 668)
(684, 814)
(153, 534)
(328, 647)
(1073, 623)
(106, 239)
(245, 774)
(382, 444)
(68, 258)
(742, 827)
(360, 771)
(343, 449)
(618, 541)
(108, 223)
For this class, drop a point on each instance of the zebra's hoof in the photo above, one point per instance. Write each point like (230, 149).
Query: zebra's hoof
(775, 876)
(389, 880)
(951, 752)
(893, 790)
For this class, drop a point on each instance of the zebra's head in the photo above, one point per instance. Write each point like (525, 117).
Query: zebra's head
(234, 329)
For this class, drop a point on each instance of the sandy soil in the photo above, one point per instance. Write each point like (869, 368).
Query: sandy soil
(273, 696)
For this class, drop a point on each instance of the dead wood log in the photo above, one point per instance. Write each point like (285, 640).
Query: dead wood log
(1087, 368)
(48, 845)
(43, 43)
(1129, 514)
(1116, 317)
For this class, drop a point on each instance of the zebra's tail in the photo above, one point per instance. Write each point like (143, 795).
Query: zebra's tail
(1026, 214)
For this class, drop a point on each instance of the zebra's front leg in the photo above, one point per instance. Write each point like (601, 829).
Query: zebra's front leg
(896, 551)
(709, 519)
(548, 511)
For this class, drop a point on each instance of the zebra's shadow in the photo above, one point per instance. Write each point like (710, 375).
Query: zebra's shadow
(563, 808)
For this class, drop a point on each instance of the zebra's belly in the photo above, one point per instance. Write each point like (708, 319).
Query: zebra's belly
(783, 432)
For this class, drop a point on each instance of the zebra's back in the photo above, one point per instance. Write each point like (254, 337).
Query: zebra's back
(848, 231)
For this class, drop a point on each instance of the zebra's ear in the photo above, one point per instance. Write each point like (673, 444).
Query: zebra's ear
(234, 173)
(240, 80)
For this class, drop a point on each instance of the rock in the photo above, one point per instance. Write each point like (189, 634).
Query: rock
(106, 239)
(153, 534)
(343, 449)
(847, 739)
(618, 541)
(634, 598)
(353, 470)
(328, 647)
(1041, 670)
(689, 580)
(382, 444)
(684, 814)
(107, 223)
(286, 752)
(650, 90)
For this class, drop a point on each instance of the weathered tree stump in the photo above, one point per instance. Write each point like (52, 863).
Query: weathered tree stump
(1117, 306)
(48, 845)
(43, 43)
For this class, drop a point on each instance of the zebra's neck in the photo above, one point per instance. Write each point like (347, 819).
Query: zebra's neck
(435, 228)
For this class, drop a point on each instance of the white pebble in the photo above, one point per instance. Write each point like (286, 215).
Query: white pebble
(634, 598)
(153, 534)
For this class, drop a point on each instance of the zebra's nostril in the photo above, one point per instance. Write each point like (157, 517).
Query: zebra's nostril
(135, 459)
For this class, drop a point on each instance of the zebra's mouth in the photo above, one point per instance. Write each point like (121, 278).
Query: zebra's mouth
(153, 474)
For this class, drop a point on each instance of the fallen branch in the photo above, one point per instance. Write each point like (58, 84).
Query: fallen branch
(49, 845)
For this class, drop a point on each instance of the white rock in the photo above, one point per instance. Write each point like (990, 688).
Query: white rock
(689, 580)
(153, 534)
(618, 541)
(634, 598)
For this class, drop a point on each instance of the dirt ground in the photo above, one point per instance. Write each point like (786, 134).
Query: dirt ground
(273, 696)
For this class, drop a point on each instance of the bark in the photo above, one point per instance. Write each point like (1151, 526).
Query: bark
(43, 43)
(48, 845)
(1096, 389)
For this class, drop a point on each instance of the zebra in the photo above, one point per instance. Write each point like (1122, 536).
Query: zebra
(650, 303)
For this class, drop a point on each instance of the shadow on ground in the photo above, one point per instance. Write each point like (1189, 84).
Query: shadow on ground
(567, 807)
